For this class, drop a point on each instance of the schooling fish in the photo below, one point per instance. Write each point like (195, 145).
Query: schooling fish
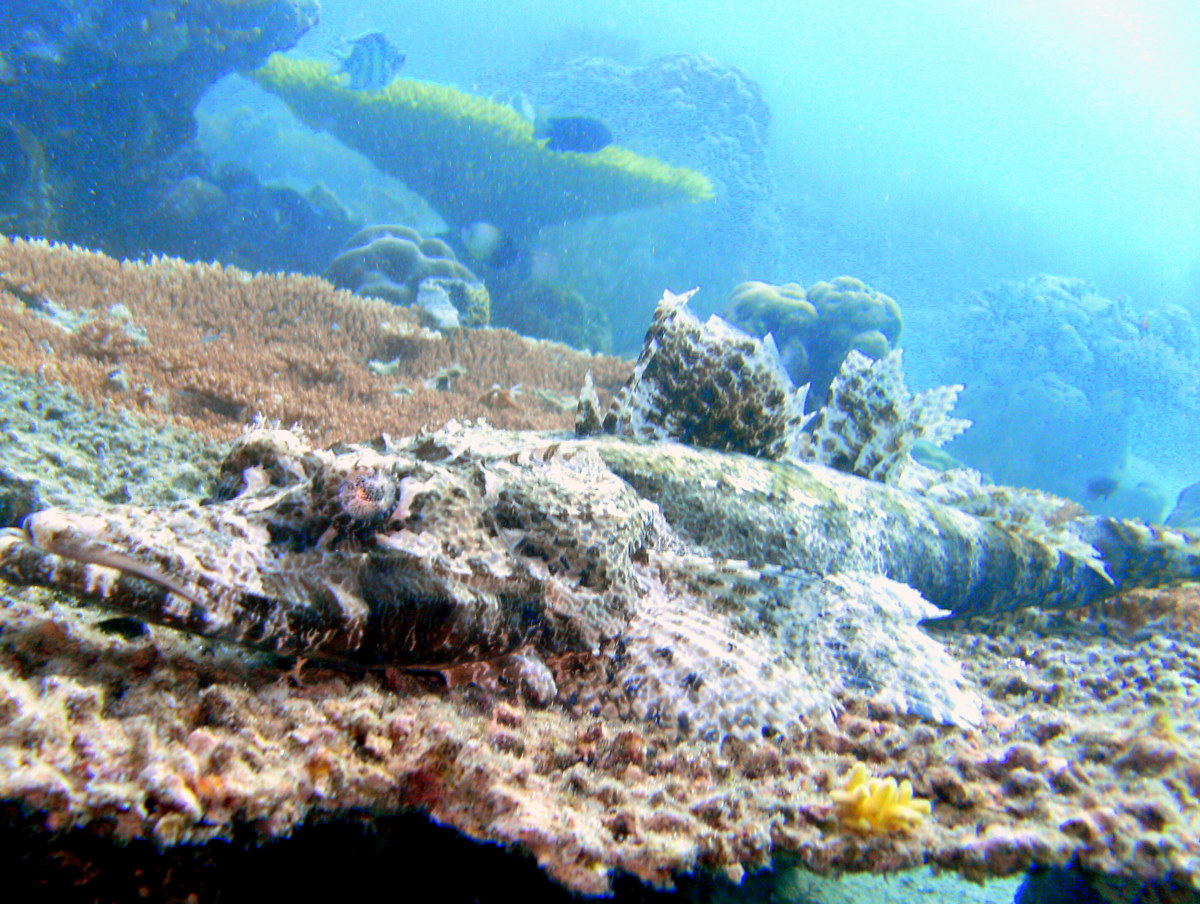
(581, 134)
(372, 62)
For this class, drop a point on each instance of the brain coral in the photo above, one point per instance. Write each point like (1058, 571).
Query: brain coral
(814, 330)
(393, 262)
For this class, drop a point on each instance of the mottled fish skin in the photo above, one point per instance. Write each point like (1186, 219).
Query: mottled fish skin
(730, 593)
(817, 520)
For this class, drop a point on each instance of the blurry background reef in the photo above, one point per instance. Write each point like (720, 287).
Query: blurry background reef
(98, 146)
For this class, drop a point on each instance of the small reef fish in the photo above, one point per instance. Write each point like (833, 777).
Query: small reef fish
(1101, 487)
(372, 62)
(580, 134)
(489, 244)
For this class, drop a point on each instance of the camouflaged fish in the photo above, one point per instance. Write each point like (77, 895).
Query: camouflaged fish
(731, 583)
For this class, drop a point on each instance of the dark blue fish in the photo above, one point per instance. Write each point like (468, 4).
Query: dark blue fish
(581, 134)
(1101, 487)
(373, 61)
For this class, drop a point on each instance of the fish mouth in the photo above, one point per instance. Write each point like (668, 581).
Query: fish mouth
(71, 536)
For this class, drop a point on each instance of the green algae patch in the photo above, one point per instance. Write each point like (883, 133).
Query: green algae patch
(473, 159)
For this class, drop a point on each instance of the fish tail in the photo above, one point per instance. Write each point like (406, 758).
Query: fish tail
(1137, 554)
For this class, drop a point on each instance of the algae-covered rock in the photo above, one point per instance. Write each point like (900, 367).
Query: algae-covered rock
(473, 159)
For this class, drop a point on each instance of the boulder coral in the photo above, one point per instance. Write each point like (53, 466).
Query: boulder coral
(396, 264)
(1063, 379)
(473, 159)
(815, 329)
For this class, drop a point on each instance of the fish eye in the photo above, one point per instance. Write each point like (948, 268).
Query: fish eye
(366, 496)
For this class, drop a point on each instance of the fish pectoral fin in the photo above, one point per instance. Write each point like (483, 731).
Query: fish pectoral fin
(522, 670)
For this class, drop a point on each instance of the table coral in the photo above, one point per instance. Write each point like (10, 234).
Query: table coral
(869, 805)
(473, 159)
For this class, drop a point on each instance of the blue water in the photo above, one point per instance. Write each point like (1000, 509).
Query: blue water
(1020, 177)
(933, 149)
(1062, 133)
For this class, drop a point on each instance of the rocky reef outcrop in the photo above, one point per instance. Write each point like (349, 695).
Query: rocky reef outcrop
(97, 128)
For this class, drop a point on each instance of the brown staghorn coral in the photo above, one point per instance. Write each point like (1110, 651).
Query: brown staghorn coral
(212, 346)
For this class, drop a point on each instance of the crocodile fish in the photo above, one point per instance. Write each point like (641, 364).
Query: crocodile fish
(722, 592)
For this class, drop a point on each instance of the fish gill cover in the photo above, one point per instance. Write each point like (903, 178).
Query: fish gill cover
(471, 158)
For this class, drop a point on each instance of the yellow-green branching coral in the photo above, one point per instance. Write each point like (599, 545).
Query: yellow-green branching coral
(473, 159)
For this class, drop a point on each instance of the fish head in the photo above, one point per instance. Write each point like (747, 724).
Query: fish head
(422, 555)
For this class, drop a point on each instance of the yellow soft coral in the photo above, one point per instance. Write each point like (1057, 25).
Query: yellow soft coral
(870, 805)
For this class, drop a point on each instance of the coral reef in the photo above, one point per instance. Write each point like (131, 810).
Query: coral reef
(396, 264)
(473, 159)
(1060, 375)
(868, 805)
(145, 748)
(222, 346)
(98, 99)
(815, 330)
(690, 110)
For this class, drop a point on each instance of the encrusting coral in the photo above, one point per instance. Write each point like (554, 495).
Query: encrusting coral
(869, 805)
(473, 159)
